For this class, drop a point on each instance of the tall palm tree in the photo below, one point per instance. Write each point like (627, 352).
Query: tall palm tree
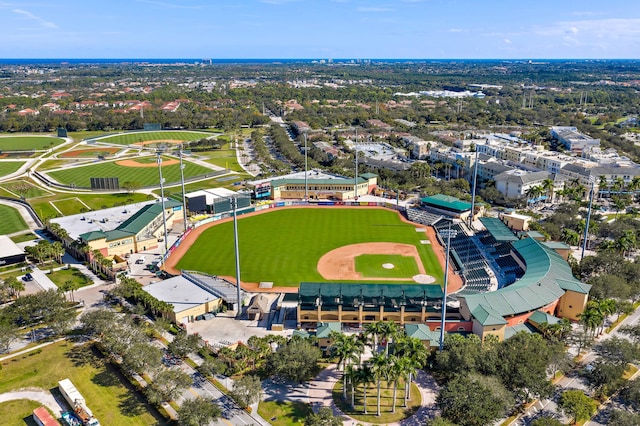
(416, 353)
(364, 377)
(380, 366)
(603, 185)
(373, 331)
(548, 186)
(399, 370)
(388, 331)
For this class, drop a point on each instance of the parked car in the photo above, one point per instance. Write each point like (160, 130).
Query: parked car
(27, 277)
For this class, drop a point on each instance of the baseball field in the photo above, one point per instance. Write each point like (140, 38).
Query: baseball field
(8, 167)
(161, 136)
(293, 245)
(139, 173)
(12, 220)
(27, 143)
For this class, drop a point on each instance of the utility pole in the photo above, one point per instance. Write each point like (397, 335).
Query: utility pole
(355, 186)
(473, 190)
(234, 205)
(586, 227)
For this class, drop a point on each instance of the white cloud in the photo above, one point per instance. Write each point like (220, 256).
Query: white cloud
(507, 41)
(33, 17)
(458, 30)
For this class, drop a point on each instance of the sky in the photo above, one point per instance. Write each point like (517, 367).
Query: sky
(321, 29)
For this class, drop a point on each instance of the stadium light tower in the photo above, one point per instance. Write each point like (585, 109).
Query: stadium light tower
(184, 196)
(306, 185)
(355, 186)
(448, 233)
(473, 190)
(592, 180)
(234, 205)
(164, 213)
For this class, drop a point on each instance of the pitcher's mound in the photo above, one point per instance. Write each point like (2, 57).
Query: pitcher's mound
(424, 279)
(388, 265)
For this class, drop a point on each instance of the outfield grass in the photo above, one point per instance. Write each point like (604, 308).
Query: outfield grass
(26, 143)
(370, 265)
(18, 412)
(223, 158)
(111, 398)
(8, 167)
(135, 137)
(284, 246)
(21, 238)
(145, 176)
(11, 221)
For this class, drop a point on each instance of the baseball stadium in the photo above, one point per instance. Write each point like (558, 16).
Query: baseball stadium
(354, 264)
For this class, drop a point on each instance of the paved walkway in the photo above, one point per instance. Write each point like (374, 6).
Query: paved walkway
(318, 393)
(42, 396)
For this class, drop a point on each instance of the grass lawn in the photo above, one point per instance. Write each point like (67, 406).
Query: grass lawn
(135, 137)
(69, 206)
(224, 158)
(18, 412)
(145, 176)
(370, 265)
(95, 201)
(61, 276)
(8, 167)
(12, 220)
(79, 136)
(285, 245)
(386, 402)
(283, 413)
(109, 395)
(89, 152)
(28, 236)
(23, 188)
(25, 143)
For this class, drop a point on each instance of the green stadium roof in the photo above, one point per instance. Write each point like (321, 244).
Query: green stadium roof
(326, 328)
(447, 202)
(353, 294)
(143, 217)
(515, 329)
(92, 236)
(423, 332)
(310, 182)
(556, 245)
(540, 317)
(498, 230)
(546, 278)
(487, 316)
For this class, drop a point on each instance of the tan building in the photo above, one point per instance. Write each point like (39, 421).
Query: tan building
(516, 222)
(340, 189)
(140, 232)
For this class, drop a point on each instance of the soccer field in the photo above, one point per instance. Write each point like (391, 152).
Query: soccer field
(145, 176)
(284, 246)
(27, 143)
(137, 137)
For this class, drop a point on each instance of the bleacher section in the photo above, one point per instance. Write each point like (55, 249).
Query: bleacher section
(496, 242)
(422, 216)
(468, 259)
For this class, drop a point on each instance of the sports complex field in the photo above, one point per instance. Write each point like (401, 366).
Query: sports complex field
(27, 143)
(141, 174)
(161, 136)
(11, 221)
(8, 167)
(288, 246)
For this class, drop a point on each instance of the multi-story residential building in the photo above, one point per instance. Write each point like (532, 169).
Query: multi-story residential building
(516, 183)
(572, 139)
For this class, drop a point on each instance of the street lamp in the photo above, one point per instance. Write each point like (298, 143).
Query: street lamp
(592, 180)
(473, 190)
(164, 213)
(449, 233)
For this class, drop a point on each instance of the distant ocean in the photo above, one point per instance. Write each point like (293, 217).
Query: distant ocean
(78, 61)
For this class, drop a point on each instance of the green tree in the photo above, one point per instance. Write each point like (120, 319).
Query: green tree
(577, 405)
(142, 357)
(247, 390)
(167, 385)
(296, 361)
(474, 400)
(546, 421)
(440, 421)
(324, 417)
(183, 344)
(8, 334)
(197, 412)
(624, 418)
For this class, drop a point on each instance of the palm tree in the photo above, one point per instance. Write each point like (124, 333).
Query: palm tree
(380, 366)
(532, 194)
(373, 330)
(365, 376)
(416, 353)
(634, 186)
(57, 251)
(351, 373)
(603, 184)
(547, 187)
(570, 237)
(388, 331)
(346, 348)
(399, 370)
